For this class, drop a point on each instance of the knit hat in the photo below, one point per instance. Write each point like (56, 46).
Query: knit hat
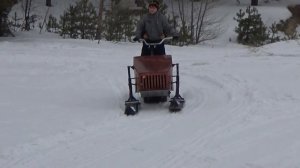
(154, 3)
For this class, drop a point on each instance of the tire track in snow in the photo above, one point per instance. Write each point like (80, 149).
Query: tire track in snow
(236, 97)
(79, 146)
(211, 92)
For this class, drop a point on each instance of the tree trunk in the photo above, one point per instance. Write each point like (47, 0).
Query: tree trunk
(1, 31)
(99, 24)
(27, 14)
(254, 2)
(5, 7)
(173, 15)
(192, 23)
(48, 3)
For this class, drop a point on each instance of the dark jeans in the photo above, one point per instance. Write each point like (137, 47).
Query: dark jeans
(153, 50)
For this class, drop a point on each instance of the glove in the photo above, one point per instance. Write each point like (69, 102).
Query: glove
(135, 39)
(175, 37)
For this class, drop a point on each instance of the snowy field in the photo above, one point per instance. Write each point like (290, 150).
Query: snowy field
(62, 104)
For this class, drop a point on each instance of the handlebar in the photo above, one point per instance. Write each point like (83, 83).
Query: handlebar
(154, 44)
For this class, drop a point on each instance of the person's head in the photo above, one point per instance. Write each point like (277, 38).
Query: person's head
(153, 6)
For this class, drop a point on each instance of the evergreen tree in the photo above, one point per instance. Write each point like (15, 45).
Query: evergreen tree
(273, 31)
(67, 23)
(118, 24)
(251, 29)
(86, 19)
(79, 21)
(52, 25)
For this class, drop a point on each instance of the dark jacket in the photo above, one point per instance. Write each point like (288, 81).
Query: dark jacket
(155, 26)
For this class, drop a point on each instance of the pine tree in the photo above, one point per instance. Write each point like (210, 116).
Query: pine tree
(86, 19)
(79, 21)
(67, 23)
(118, 24)
(52, 24)
(251, 29)
(273, 31)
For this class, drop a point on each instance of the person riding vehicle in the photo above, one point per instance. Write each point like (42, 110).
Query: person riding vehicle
(153, 27)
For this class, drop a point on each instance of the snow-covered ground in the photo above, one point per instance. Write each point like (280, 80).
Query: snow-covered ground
(62, 105)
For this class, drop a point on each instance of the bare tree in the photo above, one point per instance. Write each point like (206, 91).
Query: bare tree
(207, 27)
(174, 17)
(197, 24)
(192, 24)
(183, 20)
(27, 9)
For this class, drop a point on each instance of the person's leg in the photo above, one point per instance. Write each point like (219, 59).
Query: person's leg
(160, 49)
(145, 50)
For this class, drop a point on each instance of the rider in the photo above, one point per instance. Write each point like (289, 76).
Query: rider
(153, 27)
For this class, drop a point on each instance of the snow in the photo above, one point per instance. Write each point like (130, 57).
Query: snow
(62, 105)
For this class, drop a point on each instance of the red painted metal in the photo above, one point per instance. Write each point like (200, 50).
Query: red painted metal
(153, 72)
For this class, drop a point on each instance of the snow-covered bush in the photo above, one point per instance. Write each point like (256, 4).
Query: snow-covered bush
(251, 29)
(52, 25)
(288, 28)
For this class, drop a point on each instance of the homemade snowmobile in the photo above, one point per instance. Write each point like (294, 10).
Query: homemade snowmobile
(153, 79)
